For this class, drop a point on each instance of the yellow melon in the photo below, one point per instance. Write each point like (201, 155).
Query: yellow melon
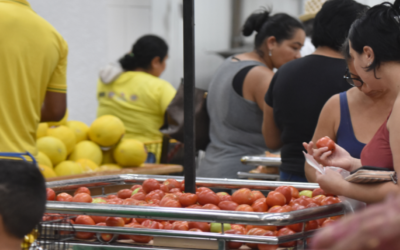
(65, 134)
(68, 168)
(110, 166)
(41, 130)
(80, 130)
(53, 147)
(106, 130)
(130, 153)
(43, 159)
(47, 171)
(87, 150)
(88, 165)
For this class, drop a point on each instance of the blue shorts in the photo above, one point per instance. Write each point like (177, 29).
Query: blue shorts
(285, 176)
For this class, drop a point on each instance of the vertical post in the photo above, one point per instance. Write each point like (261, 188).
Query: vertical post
(188, 90)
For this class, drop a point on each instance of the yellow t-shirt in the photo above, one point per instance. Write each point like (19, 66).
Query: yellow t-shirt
(33, 60)
(139, 100)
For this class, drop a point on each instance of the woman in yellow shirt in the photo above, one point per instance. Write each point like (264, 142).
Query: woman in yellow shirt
(132, 90)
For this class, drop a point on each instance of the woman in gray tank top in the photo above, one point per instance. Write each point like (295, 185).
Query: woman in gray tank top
(236, 93)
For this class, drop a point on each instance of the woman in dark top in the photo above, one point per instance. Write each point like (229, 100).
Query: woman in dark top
(374, 45)
(352, 118)
(300, 88)
(236, 93)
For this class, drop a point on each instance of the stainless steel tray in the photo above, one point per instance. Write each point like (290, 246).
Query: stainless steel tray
(261, 160)
(233, 217)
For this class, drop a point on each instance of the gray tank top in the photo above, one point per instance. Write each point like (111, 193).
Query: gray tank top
(235, 125)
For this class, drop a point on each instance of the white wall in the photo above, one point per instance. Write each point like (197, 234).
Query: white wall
(83, 26)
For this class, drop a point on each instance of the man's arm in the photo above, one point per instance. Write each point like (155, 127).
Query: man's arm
(54, 107)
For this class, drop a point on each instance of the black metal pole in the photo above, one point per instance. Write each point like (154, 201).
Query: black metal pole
(188, 90)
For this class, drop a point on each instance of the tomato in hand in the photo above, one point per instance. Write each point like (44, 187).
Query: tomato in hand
(326, 142)
(275, 198)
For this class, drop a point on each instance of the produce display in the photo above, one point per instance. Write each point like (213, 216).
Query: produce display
(72, 147)
(171, 193)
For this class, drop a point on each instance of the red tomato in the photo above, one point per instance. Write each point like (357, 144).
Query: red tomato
(207, 198)
(51, 195)
(195, 206)
(244, 208)
(312, 225)
(211, 207)
(255, 231)
(257, 195)
(295, 192)
(195, 230)
(268, 228)
(228, 205)
(153, 195)
(312, 204)
(98, 219)
(202, 189)
(318, 191)
(152, 224)
(171, 196)
(84, 220)
(265, 246)
(82, 190)
(203, 226)
(318, 199)
(274, 209)
(302, 201)
(153, 202)
(64, 197)
(137, 188)
(326, 142)
(175, 190)
(240, 228)
(329, 200)
(139, 238)
(127, 220)
(115, 222)
(243, 196)
(164, 188)
(172, 183)
(180, 225)
(169, 202)
(115, 201)
(297, 207)
(105, 237)
(140, 220)
(327, 222)
(150, 185)
(275, 199)
(111, 196)
(187, 199)
(286, 231)
(82, 197)
(260, 205)
(321, 221)
(139, 196)
(296, 227)
(131, 201)
(124, 193)
(234, 245)
(167, 225)
(286, 191)
(284, 209)
(223, 196)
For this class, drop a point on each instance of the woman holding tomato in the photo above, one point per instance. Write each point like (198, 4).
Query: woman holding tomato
(351, 118)
(373, 40)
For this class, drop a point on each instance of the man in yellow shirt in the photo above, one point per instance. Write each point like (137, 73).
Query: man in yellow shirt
(33, 60)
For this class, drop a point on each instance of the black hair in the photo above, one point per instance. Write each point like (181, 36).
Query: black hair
(309, 27)
(143, 52)
(333, 21)
(281, 26)
(22, 196)
(345, 49)
(378, 28)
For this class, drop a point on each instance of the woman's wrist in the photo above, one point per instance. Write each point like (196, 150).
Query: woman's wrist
(355, 164)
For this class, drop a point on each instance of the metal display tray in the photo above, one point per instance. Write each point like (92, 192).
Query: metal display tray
(104, 183)
(261, 160)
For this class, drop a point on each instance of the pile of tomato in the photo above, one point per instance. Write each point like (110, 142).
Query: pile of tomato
(170, 194)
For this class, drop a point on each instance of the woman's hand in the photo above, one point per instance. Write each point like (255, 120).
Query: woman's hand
(331, 182)
(338, 158)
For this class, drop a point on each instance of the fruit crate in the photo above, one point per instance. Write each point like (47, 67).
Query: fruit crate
(111, 184)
